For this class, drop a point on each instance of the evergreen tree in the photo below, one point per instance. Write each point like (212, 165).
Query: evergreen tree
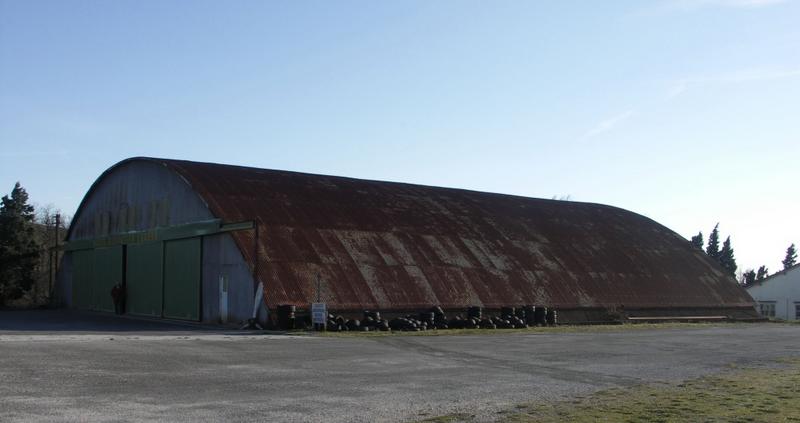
(19, 250)
(762, 273)
(791, 257)
(697, 241)
(713, 243)
(748, 277)
(726, 258)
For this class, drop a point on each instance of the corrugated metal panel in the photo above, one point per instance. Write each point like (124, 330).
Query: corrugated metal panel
(222, 259)
(395, 246)
(107, 272)
(136, 196)
(182, 279)
(383, 245)
(82, 279)
(144, 279)
(63, 290)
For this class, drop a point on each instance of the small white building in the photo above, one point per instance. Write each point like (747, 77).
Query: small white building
(778, 296)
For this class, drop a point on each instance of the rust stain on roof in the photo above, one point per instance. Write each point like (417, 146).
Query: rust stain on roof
(385, 245)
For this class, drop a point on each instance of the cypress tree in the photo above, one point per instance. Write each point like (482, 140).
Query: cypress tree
(697, 241)
(748, 277)
(791, 257)
(762, 273)
(713, 243)
(19, 249)
(726, 258)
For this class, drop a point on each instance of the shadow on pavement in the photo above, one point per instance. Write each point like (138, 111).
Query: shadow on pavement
(63, 320)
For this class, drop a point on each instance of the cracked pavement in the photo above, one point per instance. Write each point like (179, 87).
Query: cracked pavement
(68, 366)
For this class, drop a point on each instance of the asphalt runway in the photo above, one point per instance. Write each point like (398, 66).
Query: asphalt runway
(66, 366)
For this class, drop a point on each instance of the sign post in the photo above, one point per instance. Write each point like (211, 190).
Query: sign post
(319, 315)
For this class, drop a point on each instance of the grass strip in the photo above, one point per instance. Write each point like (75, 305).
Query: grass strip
(763, 394)
(537, 330)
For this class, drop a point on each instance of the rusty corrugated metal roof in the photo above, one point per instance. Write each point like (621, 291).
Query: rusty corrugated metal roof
(385, 245)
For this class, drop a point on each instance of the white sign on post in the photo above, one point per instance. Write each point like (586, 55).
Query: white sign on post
(319, 313)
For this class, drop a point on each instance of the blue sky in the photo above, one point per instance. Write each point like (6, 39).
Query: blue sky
(686, 111)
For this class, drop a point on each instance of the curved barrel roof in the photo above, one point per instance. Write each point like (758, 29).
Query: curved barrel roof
(395, 246)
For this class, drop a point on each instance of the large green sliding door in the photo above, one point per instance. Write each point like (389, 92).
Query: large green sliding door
(107, 272)
(82, 264)
(144, 286)
(182, 273)
(161, 278)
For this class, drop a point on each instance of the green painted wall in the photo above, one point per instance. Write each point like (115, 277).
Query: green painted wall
(144, 283)
(82, 264)
(107, 272)
(182, 274)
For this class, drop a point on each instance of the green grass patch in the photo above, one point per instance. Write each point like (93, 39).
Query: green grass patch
(765, 394)
(450, 418)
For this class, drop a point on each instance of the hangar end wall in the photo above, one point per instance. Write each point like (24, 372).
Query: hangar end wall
(228, 288)
(142, 224)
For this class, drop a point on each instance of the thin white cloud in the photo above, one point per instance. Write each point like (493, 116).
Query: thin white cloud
(609, 124)
(735, 77)
(678, 88)
(684, 6)
(747, 4)
(759, 74)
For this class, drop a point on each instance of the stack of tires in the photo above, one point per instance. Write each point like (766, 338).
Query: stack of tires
(475, 312)
(286, 316)
(439, 318)
(434, 318)
(540, 316)
(372, 321)
(408, 324)
(551, 317)
(530, 315)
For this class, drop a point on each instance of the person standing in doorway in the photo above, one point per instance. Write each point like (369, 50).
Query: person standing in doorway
(118, 295)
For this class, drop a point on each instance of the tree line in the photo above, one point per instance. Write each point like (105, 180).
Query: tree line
(26, 254)
(724, 256)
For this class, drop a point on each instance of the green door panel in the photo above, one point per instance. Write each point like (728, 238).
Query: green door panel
(82, 263)
(144, 286)
(182, 279)
(107, 272)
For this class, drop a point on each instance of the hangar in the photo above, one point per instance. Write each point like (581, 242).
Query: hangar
(216, 243)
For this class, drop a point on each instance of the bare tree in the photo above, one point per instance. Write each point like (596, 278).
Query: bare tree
(52, 228)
